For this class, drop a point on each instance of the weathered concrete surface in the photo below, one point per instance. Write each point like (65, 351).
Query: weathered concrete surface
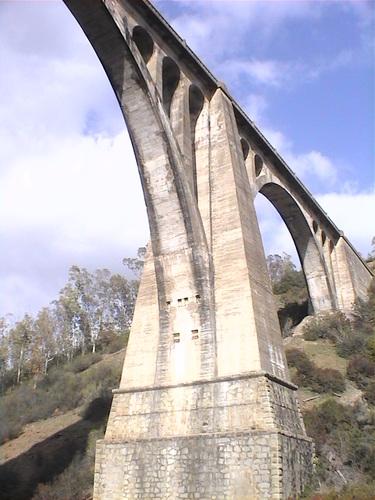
(205, 408)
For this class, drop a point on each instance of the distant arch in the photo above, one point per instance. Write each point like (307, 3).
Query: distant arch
(245, 148)
(171, 76)
(144, 42)
(258, 165)
(312, 262)
(324, 238)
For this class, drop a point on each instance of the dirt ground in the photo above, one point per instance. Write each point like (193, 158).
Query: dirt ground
(35, 432)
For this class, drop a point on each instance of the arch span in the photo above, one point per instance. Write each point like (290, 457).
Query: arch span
(177, 236)
(320, 290)
(144, 42)
(205, 328)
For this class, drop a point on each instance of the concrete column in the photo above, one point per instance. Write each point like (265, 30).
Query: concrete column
(248, 332)
(351, 273)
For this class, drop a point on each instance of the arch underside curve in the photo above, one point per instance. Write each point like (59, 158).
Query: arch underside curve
(320, 290)
(177, 235)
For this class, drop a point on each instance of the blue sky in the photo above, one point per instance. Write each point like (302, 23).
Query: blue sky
(69, 191)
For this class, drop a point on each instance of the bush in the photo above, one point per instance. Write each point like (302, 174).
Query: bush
(365, 312)
(9, 430)
(328, 380)
(361, 491)
(295, 357)
(59, 390)
(347, 433)
(74, 482)
(369, 393)
(117, 343)
(370, 348)
(353, 343)
(360, 370)
(81, 363)
(320, 380)
(323, 419)
(327, 326)
(309, 375)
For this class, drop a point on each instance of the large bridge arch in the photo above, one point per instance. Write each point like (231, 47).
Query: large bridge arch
(205, 369)
(177, 236)
(321, 294)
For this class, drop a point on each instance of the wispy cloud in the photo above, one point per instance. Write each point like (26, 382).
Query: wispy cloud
(259, 72)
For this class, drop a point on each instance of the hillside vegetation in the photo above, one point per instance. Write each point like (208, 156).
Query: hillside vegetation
(66, 402)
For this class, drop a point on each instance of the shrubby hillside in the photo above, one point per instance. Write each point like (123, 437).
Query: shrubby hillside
(332, 360)
(58, 369)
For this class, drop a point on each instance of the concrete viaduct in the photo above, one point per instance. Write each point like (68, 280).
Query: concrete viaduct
(205, 407)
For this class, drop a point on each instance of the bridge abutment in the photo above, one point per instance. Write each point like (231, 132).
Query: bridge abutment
(238, 438)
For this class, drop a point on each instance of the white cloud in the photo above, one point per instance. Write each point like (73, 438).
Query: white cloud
(312, 167)
(80, 203)
(353, 213)
(255, 107)
(259, 72)
(221, 27)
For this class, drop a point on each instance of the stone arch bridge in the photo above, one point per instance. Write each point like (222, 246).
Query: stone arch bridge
(205, 407)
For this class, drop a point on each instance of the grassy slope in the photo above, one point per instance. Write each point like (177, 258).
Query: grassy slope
(39, 441)
(60, 449)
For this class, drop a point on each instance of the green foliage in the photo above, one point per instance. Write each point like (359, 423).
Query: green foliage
(361, 491)
(361, 370)
(136, 264)
(59, 390)
(369, 392)
(331, 326)
(365, 312)
(348, 432)
(354, 340)
(320, 380)
(81, 363)
(322, 420)
(76, 481)
(93, 312)
(370, 348)
(291, 282)
(117, 343)
(349, 338)
(288, 284)
(371, 255)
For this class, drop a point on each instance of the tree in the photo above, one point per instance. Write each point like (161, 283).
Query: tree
(68, 318)
(5, 375)
(136, 264)
(278, 266)
(19, 345)
(123, 297)
(288, 283)
(44, 341)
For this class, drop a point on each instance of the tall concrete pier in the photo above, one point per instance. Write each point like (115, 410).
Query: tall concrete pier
(205, 407)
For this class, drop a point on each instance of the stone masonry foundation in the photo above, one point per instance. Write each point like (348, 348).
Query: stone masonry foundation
(238, 438)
